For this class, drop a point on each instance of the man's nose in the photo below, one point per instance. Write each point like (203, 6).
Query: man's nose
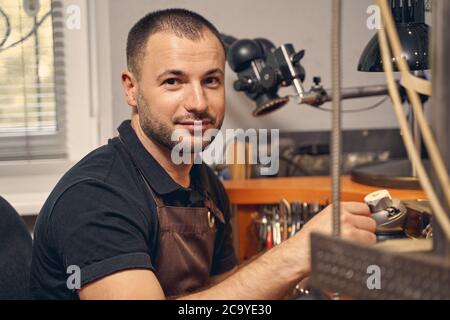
(197, 101)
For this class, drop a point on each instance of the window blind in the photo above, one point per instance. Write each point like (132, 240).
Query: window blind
(32, 86)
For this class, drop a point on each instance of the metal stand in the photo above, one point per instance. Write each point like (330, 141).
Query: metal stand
(374, 273)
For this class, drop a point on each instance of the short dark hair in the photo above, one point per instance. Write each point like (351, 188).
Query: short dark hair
(183, 23)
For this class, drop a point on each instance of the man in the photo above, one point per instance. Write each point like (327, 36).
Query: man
(137, 225)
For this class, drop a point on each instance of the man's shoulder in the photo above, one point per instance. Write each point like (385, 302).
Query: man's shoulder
(107, 164)
(96, 164)
(103, 177)
(94, 167)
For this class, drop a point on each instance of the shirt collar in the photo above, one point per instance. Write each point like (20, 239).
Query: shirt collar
(160, 181)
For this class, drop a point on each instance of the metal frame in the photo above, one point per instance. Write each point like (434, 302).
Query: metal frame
(341, 266)
(345, 267)
(440, 106)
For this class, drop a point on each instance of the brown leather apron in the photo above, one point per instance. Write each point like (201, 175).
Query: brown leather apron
(186, 244)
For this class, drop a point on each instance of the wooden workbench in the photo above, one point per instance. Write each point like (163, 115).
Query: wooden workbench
(246, 195)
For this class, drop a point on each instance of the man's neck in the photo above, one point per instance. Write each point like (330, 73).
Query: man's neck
(179, 173)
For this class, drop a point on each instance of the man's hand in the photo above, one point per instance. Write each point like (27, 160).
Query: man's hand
(356, 225)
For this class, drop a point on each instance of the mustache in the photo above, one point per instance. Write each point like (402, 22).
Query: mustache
(204, 116)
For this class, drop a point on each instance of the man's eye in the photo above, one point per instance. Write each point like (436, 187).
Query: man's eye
(212, 81)
(171, 82)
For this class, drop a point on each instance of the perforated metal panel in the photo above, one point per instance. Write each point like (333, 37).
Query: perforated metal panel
(344, 267)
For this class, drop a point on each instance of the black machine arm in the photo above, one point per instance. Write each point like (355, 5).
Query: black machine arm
(262, 69)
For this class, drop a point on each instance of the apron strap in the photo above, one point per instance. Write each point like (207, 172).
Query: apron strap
(157, 199)
(209, 203)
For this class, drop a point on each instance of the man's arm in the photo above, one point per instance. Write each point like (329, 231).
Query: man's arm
(136, 284)
(271, 276)
(268, 277)
(221, 277)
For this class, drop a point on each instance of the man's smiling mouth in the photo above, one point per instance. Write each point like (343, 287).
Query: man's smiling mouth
(200, 125)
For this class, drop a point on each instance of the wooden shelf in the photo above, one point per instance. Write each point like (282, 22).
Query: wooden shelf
(307, 189)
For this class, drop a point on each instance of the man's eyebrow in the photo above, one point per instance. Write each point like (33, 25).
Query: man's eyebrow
(180, 73)
(212, 71)
(170, 73)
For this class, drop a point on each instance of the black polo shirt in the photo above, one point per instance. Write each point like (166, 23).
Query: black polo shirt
(101, 218)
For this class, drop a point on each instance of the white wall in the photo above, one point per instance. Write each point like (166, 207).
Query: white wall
(305, 23)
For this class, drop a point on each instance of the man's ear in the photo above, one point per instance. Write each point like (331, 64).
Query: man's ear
(129, 85)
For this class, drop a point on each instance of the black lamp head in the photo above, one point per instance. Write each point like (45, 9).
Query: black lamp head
(241, 54)
(409, 16)
(262, 69)
(257, 74)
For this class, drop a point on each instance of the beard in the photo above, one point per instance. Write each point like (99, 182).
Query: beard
(160, 132)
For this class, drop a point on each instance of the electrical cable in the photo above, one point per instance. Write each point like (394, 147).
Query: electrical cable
(407, 136)
(376, 105)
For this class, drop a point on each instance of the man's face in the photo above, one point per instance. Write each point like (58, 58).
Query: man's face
(181, 81)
